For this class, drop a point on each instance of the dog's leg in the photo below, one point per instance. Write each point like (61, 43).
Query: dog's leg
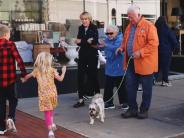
(91, 121)
(102, 114)
(9, 124)
(14, 130)
(102, 118)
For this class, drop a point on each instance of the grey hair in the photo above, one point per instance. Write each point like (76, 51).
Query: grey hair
(4, 30)
(113, 27)
(134, 8)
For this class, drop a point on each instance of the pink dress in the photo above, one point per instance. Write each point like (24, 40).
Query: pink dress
(47, 92)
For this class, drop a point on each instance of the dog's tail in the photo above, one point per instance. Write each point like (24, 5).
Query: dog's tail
(98, 95)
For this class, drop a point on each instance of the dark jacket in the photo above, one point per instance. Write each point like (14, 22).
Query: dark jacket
(167, 38)
(91, 32)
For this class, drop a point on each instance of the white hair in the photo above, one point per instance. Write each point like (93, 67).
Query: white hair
(112, 27)
(134, 8)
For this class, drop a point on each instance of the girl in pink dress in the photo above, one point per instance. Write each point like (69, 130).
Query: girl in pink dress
(47, 92)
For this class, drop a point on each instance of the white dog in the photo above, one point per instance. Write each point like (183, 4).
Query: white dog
(96, 109)
(11, 126)
(101, 58)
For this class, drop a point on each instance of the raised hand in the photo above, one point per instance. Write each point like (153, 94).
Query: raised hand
(63, 69)
(77, 41)
(90, 40)
(118, 51)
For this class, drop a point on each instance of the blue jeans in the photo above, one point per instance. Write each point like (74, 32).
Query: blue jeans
(132, 82)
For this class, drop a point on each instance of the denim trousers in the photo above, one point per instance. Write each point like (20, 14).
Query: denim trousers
(132, 82)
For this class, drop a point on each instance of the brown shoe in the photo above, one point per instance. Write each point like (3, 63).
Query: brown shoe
(142, 115)
(129, 114)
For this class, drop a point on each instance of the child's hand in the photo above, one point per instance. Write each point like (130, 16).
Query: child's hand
(23, 80)
(90, 40)
(63, 69)
(101, 42)
(77, 41)
(61, 77)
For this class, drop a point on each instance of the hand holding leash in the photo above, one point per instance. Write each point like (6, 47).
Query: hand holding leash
(137, 54)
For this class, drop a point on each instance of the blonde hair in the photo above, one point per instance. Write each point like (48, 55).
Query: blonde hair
(43, 62)
(87, 14)
(4, 30)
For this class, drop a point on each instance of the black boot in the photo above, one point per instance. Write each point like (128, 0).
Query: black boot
(80, 103)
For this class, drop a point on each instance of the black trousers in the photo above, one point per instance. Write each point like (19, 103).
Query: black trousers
(110, 83)
(7, 93)
(87, 65)
(164, 65)
(89, 91)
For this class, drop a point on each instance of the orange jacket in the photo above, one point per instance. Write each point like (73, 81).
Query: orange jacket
(145, 40)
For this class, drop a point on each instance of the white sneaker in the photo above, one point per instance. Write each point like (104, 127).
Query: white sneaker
(2, 132)
(11, 126)
(51, 134)
(157, 83)
(124, 106)
(166, 84)
(54, 128)
(85, 98)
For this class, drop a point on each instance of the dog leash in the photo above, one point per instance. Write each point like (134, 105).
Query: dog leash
(121, 81)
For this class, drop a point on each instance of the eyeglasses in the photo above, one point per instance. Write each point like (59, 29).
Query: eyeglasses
(110, 33)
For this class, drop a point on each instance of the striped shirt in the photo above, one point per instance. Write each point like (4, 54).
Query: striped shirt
(131, 40)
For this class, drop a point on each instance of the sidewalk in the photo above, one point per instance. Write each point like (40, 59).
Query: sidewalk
(29, 126)
(166, 118)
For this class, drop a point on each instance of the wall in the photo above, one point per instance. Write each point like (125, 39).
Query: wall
(71, 9)
(151, 7)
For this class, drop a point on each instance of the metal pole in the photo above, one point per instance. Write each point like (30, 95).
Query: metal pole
(107, 11)
(84, 5)
(132, 2)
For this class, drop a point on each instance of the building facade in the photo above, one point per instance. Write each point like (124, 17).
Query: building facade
(102, 10)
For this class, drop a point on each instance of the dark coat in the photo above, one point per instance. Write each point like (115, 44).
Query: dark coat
(91, 32)
(167, 38)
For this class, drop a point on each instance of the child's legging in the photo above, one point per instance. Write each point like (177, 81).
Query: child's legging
(49, 118)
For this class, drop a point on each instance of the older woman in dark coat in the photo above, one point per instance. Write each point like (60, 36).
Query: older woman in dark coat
(167, 43)
(87, 39)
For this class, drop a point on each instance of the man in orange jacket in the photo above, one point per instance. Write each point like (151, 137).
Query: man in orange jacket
(140, 45)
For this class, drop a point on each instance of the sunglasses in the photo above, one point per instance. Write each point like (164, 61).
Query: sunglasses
(110, 33)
